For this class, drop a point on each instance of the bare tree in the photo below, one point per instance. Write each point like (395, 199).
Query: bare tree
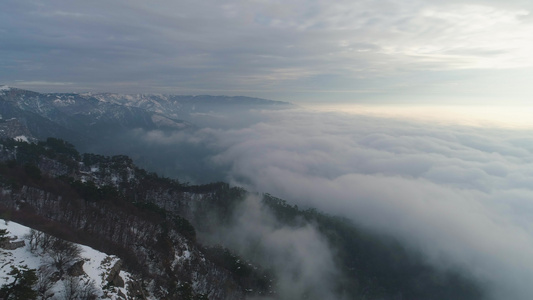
(45, 282)
(63, 253)
(39, 241)
(45, 241)
(32, 237)
(71, 287)
(76, 289)
(88, 291)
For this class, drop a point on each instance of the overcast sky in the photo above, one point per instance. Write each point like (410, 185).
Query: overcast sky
(302, 51)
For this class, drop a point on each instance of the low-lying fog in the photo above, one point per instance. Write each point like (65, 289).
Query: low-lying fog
(455, 183)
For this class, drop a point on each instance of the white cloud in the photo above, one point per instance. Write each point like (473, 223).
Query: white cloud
(462, 195)
(302, 260)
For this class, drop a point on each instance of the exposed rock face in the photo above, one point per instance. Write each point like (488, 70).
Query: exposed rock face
(76, 269)
(135, 290)
(10, 244)
(114, 275)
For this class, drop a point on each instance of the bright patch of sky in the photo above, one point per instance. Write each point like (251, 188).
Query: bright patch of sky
(487, 116)
(302, 50)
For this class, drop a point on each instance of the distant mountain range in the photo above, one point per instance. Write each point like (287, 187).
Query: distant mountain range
(83, 117)
(111, 124)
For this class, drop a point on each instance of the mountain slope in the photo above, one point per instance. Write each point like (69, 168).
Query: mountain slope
(81, 113)
(49, 187)
(92, 114)
(87, 277)
(154, 225)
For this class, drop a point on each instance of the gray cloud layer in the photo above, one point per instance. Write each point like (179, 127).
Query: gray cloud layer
(461, 195)
(288, 50)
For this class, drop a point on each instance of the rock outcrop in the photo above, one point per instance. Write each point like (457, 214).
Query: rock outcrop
(12, 244)
(114, 275)
(76, 269)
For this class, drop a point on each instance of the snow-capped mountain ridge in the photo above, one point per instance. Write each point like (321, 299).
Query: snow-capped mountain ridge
(90, 116)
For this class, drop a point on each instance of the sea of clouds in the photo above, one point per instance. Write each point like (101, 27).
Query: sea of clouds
(461, 195)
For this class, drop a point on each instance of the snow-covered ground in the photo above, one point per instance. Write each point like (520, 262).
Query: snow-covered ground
(22, 138)
(97, 266)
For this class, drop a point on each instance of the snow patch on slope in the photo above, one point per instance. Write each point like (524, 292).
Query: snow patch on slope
(22, 138)
(97, 265)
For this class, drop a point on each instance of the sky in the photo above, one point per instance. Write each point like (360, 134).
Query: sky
(302, 51)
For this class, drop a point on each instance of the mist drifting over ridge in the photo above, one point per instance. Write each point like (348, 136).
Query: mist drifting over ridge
(461, 195)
